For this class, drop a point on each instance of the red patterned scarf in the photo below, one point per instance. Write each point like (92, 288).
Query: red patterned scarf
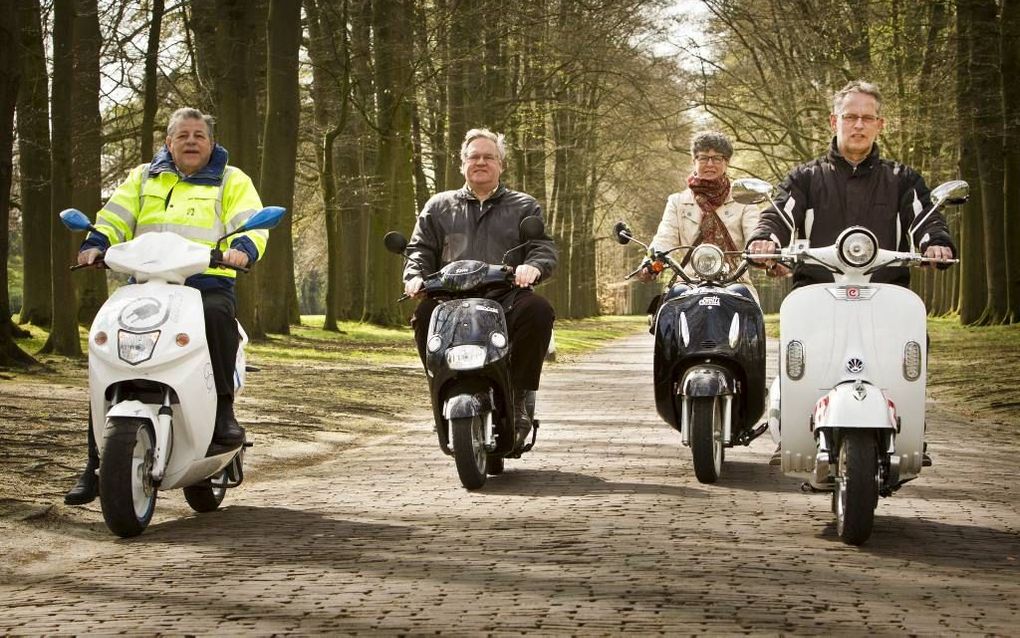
(710, 195)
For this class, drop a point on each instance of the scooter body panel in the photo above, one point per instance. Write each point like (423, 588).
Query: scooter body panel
(710, 328)
(853, 336)
(475, 389)
(169, 310)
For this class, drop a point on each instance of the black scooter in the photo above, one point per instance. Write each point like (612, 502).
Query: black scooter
(467, 362)
(709, 364)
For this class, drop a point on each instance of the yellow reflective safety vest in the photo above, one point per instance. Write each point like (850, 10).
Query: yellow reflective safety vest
(166, 201)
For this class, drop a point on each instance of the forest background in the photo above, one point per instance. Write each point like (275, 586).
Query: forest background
(350, 113)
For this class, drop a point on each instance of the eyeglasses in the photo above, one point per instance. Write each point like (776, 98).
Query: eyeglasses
(710, 159)
(852, 118)
(475, 157)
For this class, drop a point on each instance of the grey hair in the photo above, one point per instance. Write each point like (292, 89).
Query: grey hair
(497, 138)
(188, 113)
(711, 141)
(856, 86)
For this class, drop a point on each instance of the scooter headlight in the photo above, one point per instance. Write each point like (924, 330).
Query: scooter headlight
(912, 361)
(136, 347)
(498, 339)
(707, 261)
(795, 360)
(857, 247)
(465, 357)
(435, 342)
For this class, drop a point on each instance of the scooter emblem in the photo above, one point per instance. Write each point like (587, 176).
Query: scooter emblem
(144, 313)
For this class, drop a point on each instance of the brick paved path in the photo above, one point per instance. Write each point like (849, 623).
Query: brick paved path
(602, 530)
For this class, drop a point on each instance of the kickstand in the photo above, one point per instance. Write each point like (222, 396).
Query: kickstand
(534, 435)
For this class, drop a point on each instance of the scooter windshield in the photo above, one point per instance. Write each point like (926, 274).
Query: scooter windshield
(462, 275)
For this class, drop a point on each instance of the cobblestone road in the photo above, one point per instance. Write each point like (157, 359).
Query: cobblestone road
(602, 530)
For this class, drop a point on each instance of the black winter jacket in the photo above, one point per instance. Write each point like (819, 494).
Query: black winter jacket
(828, 195)
(455, 225)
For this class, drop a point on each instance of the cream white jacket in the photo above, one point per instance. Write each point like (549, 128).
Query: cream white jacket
(682, 218)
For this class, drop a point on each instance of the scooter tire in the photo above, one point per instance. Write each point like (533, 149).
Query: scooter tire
(206, 496)
(707, 449)
(469, 451)
(126, 492)
(856, 494)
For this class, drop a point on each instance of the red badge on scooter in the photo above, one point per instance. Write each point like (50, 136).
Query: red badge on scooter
(853, 292)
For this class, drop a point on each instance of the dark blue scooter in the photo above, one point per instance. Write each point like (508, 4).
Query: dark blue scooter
(467, 361)
(709, 364)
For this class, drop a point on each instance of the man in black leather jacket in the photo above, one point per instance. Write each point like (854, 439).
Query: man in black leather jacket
(852, 185)
(481, 221)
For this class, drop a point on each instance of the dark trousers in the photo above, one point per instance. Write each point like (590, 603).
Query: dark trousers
(221, 332)
(529, 319)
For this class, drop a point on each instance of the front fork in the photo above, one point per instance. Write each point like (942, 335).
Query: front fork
(827, 441)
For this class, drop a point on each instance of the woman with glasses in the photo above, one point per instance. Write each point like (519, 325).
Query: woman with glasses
(704, 211)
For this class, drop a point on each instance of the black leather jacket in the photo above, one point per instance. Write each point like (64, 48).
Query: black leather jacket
(828, 195)
(455, 225)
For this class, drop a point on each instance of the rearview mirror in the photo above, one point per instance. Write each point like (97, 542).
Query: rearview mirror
(952, 193)
(622, 232)
(268, 217)
(74, 219)
(532, 227)
(749, 190)
(395, 242)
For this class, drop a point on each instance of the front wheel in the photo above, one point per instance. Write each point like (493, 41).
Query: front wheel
(207, 496)
(706, 438)
(469, 451)
(126, 492)
(856, 492)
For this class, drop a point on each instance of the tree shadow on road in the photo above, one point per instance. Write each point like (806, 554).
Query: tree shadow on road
(560, 483)
(756, 477)
(941, 544)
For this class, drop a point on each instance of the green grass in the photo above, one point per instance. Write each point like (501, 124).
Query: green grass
(575, 336)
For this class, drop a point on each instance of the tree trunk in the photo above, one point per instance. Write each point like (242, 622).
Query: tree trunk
(973, 285)
(150, 105)
(393, 41)
(987, 120)
(10, 76)
(63, 338)
(280, 135)
(34, 162)
(1010, 71)
(87, 145)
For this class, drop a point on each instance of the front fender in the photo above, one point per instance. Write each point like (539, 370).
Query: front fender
(854, 405)
(460, 406)
(706, 381)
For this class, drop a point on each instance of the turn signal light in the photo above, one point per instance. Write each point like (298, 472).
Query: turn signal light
(182, 339)
(100, 338)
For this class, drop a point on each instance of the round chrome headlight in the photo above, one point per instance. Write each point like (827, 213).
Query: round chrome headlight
(707, 261)
(857, 247)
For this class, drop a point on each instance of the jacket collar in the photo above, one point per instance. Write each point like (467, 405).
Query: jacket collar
(467, 193)
(209, 175)
(866, 164)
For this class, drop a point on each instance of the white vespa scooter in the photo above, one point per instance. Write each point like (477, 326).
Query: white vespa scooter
(151, 391)
(850, 392)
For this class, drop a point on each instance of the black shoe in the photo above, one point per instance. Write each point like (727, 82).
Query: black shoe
(522, 422)
(925, 457)
(227, 433)
(87, 487)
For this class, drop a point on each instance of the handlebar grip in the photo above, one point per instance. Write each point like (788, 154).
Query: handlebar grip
(98, 263)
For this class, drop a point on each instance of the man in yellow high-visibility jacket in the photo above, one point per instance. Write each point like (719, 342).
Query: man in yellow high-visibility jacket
(189, 189)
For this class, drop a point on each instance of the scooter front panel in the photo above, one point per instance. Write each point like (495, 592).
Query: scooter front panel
(715, 325)
(845, 338)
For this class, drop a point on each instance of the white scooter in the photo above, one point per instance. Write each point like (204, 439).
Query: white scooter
(850, 393)
(151, 390)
